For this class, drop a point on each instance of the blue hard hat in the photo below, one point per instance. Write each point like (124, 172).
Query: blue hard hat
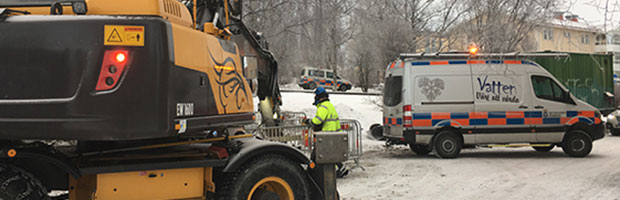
(319, 90)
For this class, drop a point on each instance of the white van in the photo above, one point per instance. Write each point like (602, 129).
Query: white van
(311, 78)
(442, 102)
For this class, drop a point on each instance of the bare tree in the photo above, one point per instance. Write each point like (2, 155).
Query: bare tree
(609, 9)
(504, 25)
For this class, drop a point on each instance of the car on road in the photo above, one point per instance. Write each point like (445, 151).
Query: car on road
(312, 78)
(442, 103)
(613, 125)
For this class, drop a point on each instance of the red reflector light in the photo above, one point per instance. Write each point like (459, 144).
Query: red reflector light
(407, 108)
(112, 67)
(121, 57)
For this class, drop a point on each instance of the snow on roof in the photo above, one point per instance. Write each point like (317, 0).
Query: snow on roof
(568, 24)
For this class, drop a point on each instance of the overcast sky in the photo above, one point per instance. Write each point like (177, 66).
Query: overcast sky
(587, 9)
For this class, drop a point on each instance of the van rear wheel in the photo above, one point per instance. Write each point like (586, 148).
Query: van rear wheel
(447, 144)
(577, 143)
(420, 149)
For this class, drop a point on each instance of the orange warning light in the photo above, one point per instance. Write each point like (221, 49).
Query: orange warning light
(473, 50)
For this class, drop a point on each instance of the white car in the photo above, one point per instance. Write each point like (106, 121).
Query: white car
(613, 123)
(311, 78)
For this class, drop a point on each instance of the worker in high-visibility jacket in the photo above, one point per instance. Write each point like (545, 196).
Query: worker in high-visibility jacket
(326, 118)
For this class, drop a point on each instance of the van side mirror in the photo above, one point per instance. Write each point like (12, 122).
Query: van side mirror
(568, 98)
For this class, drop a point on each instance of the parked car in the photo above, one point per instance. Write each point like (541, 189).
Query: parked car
(612, 123)
(312, 78)
(443, 103)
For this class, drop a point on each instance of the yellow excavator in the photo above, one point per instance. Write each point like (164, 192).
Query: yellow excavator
(140, 99)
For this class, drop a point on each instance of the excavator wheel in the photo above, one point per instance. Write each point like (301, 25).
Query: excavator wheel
(265, 177)
(18, 184)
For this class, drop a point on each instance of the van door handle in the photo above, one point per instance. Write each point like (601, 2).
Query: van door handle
(539, 107)
(523, 107)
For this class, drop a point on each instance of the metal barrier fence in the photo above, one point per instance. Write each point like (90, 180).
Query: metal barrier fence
(292, 118)
(353, 128)
(301, 137)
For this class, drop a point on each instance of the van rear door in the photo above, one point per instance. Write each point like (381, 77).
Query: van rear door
(392, 104)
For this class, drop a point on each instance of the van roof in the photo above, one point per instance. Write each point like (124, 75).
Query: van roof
(462, 56)
(314, 68)
(449, 58)
(402, 64)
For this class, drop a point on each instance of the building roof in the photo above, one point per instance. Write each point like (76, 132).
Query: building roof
(574, 25)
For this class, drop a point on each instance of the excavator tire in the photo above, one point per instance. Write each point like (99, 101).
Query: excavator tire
(17, 184)
(265, 177)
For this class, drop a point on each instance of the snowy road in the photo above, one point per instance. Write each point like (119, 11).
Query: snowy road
(482, 173)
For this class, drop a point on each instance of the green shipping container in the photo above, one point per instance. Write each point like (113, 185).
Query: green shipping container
(588, 76)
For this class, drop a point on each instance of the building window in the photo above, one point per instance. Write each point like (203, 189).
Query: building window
(567, 34)
(431, 45)
(585, 38)
(548, 34)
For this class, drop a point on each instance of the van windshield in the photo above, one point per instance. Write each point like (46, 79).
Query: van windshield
(392, 90)
(303, 72)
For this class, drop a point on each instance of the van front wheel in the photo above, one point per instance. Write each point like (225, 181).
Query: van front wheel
(577, 143)
(447, 144)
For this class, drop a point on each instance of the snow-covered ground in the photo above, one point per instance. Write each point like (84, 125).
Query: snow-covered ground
(481, 173)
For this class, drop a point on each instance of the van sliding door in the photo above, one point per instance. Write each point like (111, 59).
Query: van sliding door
(500, 104)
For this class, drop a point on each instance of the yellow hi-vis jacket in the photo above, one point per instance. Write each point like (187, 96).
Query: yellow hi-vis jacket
(327, 116)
